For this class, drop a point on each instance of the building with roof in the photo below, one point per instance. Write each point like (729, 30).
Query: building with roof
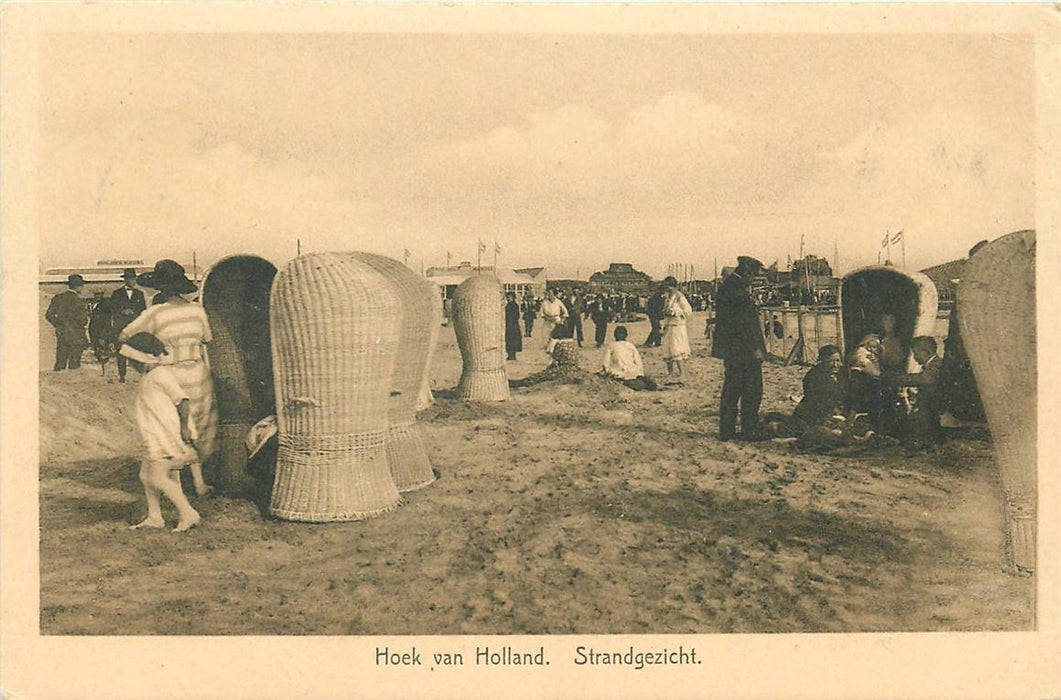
(945, 276)
(621, 277)
(522, 282)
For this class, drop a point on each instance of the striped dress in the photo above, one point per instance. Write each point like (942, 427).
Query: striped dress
(183, 329)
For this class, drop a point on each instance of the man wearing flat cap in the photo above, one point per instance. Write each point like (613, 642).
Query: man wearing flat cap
(739, 343)
(127, 302)
(68, 313)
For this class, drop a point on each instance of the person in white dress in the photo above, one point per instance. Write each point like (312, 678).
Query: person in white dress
(552, 312)
(676, 312)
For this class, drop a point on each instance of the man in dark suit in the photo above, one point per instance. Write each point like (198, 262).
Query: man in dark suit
(739, 343)
(655, 305)
(127, 302)
(68, 313)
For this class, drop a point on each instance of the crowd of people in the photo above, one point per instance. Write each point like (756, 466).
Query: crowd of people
(868, 391)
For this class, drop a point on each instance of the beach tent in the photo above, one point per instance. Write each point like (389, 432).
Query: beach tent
(869, 293)
(235, 295)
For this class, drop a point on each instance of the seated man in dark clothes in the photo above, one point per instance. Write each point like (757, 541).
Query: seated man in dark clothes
(929, 406)
(824, 389)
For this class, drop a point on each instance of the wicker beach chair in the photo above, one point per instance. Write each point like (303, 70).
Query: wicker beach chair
(406, 454)
(479, 322)
(869, 293)
(996, 304)
(335, 323)
(235, 296)
(426, 398)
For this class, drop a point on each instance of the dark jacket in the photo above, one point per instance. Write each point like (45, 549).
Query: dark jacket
(655, 306)
(737, 330)
(69, 314)
(125, 308)
(513, 334)
(823, 395)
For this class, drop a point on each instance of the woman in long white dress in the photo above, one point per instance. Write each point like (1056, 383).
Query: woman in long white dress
(184, 331)
(676, 312)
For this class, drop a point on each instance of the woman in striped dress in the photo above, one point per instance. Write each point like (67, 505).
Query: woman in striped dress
(184, 330)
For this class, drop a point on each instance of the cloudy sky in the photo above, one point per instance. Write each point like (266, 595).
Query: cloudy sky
(570, 151)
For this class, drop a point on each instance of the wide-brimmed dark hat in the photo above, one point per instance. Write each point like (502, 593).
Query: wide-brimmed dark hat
(75, 280)
(748, 261)
(168, 276)
(129, 273)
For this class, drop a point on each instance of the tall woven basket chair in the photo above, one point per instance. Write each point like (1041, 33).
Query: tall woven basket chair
(235, 296)
(996, 304)
(479, 321)
(406, 454)
(335, 322)
(426, 398)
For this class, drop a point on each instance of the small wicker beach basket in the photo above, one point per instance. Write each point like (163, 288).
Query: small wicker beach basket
(426, 398)
(406, 454)
(479, 322)
(996, 304)
(335, 322)
(235, 296)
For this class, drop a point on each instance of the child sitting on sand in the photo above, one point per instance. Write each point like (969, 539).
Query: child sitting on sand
(163, 415)
(622, 361)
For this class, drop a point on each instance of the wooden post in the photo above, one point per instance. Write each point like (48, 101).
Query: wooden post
(817, 331)
(784, 332)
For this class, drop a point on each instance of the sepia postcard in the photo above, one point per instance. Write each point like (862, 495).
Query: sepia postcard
(530, 350)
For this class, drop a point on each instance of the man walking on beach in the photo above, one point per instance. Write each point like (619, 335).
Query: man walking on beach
(68, 313)
(739, 343)
(127, 302)
(655, 318)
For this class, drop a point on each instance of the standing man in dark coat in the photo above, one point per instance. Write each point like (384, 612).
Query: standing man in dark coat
(601, 315)
(654, 308)
(575, 309)
(739, 343)
(530, 312)
(127, 302)
(68, 313)
(513, 336)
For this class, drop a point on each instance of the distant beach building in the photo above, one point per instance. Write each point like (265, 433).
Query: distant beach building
(945, 276)
(621, 277)
(100, 278)
(528, 280)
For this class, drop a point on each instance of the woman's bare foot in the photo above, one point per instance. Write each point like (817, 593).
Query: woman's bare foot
(148, 522)
(185, 525)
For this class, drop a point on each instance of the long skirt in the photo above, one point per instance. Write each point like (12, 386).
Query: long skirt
(676, 342)
(194, 377)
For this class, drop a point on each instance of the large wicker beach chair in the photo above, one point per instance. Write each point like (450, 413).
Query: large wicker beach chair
(235, 295)
(869, 293)
(479, 322)
(406, 454)
(996, 308)
(335, 323)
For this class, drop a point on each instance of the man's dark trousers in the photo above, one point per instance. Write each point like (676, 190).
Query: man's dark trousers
(68, 351)
(655, 337)
(743, 382)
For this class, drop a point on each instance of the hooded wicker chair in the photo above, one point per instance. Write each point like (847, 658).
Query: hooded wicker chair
(996, 303)
(479, 322)
(335, 323)
(235, 295)
(867, 294)
(406, 454)
(425, 399)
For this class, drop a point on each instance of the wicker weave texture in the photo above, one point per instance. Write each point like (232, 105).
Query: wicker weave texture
(406, 454)
(335, 325)
(479, 322)
(426, 398)
(996, 305)
(236, 300)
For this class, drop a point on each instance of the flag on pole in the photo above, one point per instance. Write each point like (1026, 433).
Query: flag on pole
(897, 237)
(449, 258)
(482, 246)
(884, 241)
(497, 248)
(407, 253)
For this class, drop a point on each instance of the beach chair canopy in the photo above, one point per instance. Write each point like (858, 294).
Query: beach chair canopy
(235, 295)
(869, 293)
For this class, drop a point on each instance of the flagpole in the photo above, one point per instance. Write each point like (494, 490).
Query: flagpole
(888, 244)
(479, 257)
(902, 243)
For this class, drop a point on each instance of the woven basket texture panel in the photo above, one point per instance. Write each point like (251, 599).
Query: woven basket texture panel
(406, 454)
(479, 322)
(236, 300)
(996, 304)
(335, 329)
